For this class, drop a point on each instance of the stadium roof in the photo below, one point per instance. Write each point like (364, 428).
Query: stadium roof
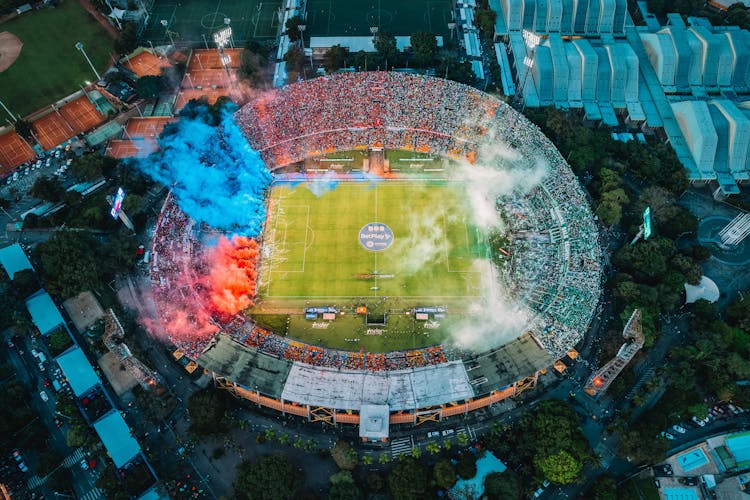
(78, 371)
(502, 367)
(373, 421)
(245, 366)
(399, 389)
(115, 434)
(706, 290)
(44, 312)
(13, 259)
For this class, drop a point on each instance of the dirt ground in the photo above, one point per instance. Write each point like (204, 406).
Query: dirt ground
(10, 48)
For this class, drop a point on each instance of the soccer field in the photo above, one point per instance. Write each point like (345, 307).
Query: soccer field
(189, 21)
(312, 248)
(347, 18)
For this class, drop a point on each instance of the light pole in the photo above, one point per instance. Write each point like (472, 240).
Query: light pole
(165, 23)
(12, 116)
(452, 27)
(302, 28)
(79, 46)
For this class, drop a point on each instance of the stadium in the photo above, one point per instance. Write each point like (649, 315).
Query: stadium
(426, 252)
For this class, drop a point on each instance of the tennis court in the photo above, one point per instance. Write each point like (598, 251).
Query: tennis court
(194, 22)
(209, 59)
(186, 95)
(81, 115)
(13, 151)
(52, 130)
(206, 78)
(346, 18)
(147, 64)
(139, 148)
(146, 127)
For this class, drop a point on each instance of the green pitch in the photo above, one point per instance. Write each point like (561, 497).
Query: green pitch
(312, 249)
(49, 66)
(189, 21)
(355, 18)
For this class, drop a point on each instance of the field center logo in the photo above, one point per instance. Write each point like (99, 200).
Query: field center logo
(375, 236)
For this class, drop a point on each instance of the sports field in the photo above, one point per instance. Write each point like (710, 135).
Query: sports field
(189, 21)
(313, 250)
(49, 66)
(347, 18)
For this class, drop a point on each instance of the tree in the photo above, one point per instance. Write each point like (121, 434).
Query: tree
(344, 455)
(444, 474)
(295, 62)
(23, 128)
(93, 166)
(149, 86)
(70, 263)
(25, 283)
(502, 486)
(610, 206)
(128, 39)
(408, 480)
(270, 477)
(385, 44)
(292, 28)
(80, 435)
(59, 341)
(334, 58)
(207, 409)
(47, 189)
(343, 487)
(424, 47)
(250, 66)
(458, 71)
(560, 467)
(604, 488)
(467, 465)
(485, 19)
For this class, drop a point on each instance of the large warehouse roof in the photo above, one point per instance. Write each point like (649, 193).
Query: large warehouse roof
(115, 434)
(78, 371)
(44, 312)
(399, 389)
(13, 259)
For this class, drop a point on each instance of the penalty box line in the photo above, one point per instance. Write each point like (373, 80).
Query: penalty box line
(272, 267)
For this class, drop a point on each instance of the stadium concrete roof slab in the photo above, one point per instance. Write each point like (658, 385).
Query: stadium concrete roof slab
(245, 366)
(373, 422)
(405, 389)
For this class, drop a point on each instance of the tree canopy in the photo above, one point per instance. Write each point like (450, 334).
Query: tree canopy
(444, 474)
(408, 480)
(502, 486)
(424, 47)
(48, 189)
(71, 263)
(207, 409)
(270, 477)
(385, 44)
(292, 28)
(334, 58)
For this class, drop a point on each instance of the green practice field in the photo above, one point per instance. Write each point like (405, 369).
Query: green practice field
(189, 21)
(312, 249)
(49, 66)
(354, 18)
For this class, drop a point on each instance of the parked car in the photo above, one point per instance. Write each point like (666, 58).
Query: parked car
(84, 465)
(668, 436)
(679, 429)
(43, 395)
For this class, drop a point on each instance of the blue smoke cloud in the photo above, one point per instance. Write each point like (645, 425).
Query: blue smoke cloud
(215, 175)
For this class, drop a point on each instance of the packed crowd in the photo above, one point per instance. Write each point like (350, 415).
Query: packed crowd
(389, 110)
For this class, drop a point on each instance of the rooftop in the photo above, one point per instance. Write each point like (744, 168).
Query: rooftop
(118, 441)
(44, 312)
(78, 371)
(13, 259)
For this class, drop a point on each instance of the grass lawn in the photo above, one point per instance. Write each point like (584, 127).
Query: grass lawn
(312, 249)
(49, 66)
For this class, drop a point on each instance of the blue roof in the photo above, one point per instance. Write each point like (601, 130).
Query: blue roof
(78, 371)
(680, 494)
(13, 259)
(692, 460)
(44, 313)
(115, 435)
(739, 445)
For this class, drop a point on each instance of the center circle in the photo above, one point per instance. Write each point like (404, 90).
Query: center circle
(213, 20)
(375, 236)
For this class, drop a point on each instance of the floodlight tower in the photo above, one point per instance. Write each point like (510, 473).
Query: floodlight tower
(302, 28)
(221, 38)
(532, 42)
(79, 46)
(165, 23)
(452, 28)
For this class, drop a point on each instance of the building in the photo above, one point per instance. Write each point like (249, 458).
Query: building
(599, 76)
(577, 17)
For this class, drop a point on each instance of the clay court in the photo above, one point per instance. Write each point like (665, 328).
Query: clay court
(81, 115)
(138, 148)
(10, 48)
(209, 59)
(13, 151)
(206, 78)
(186, 95)
(146, 127)
(52, 130)
(147, 64)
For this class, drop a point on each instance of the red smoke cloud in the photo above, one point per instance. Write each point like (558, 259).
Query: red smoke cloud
(232, 274)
